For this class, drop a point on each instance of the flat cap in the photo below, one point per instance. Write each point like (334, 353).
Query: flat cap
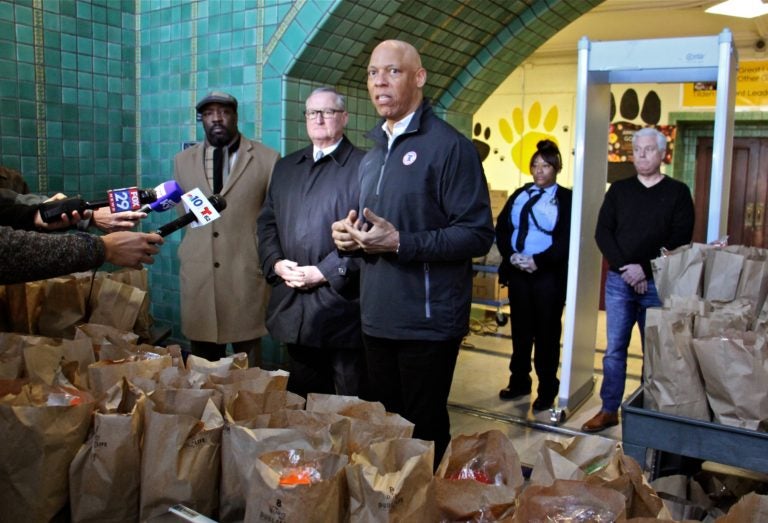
(218, 97)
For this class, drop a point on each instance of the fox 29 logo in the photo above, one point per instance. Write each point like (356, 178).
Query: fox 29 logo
(124, 199)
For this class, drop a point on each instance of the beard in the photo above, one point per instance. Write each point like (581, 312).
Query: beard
(218, 136)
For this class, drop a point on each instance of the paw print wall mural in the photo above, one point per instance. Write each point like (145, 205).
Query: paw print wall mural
(631, 116)
(522, 138)
(514, 132)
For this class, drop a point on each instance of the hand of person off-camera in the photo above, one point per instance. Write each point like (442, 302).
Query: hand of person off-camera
(299, 277)
(65, 222)
(105, 220)
(341, 236)
(131, 249)
(376, 236)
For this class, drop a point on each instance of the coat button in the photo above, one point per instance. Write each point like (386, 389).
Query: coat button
(216, 264)
(215, 234)
(342, 271)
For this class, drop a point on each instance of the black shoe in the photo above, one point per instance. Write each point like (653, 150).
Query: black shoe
(513, 393)
(542, 403)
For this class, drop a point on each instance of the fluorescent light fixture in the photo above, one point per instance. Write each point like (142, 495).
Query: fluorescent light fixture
(740, 8)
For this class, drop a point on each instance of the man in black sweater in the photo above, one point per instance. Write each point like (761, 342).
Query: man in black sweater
(639, 216)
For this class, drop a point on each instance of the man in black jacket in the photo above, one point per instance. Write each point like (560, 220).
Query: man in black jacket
(639, 216)
(424, 213)
(314, 307)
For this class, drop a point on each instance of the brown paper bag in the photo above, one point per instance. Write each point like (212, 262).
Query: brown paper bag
(219, 367)
(105, 474)
(117, 305)
(140, 280)
(735, 370)
(181, 455)
(61, 308)
(641, 499)
(672, 379)
(736, 314)
(722, 270)
(391, 481)
(24, 302)
(576, 458)
(11, 360)
(104, 374)
(240, 447)
(245, 405)
(369, 421)
(43, 428)
(298, 485)
(337, 427)
(479, 478)
(567, 500)
(752, 508)
(105, 335)
(753, 282)
(679, 272)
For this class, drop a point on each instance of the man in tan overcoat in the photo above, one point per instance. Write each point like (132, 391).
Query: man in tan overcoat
(223, 292)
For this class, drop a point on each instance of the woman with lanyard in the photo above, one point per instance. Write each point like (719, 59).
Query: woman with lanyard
(532, 234)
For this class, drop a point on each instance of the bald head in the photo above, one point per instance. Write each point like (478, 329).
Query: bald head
(395, 80)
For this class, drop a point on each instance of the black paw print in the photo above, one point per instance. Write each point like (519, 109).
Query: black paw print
(630, 107)
(619, 137)
(483, 149)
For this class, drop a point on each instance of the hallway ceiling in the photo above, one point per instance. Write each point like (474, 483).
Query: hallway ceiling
(641, 19)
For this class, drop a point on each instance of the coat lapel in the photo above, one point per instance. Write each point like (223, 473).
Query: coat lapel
(244, 157)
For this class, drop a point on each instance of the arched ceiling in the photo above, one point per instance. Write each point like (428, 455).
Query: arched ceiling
(467, 46)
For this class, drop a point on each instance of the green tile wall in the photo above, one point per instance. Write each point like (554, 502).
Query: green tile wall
(97, 94)
(66, 94)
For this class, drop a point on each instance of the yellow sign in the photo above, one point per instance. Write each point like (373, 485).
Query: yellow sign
(751, 87)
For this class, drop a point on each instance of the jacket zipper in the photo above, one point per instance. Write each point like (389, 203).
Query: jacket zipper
(427, 309)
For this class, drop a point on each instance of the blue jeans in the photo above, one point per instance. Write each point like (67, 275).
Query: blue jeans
(623, 308)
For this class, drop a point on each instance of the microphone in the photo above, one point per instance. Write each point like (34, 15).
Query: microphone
(118, 200)
(168, 195)
(218, 202)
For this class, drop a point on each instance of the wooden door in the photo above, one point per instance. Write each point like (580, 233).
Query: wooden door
(748, 195)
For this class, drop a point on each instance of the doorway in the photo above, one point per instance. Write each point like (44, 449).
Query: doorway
(748, 194)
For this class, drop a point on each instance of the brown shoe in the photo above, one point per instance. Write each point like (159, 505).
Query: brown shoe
(601, 421)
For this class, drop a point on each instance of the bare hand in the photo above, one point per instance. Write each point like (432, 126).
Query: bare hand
(131, 249)
(527, 264)
(340, 233)
(632, 274)
(376, 236)
(108, 221)
(641, 287)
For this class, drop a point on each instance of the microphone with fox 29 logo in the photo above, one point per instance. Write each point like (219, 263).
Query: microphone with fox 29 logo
(118, 200)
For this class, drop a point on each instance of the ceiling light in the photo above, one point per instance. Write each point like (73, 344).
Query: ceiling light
(740, 8)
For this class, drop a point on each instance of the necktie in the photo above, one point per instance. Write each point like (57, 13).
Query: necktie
(218, 169)
(318, 155)
(221, 163)
(525, 215)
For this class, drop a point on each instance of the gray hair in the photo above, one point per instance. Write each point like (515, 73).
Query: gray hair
(339, 100)
(661, 140)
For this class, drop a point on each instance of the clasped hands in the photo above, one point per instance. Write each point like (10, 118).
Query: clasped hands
(374, 234)
(299, 277)
(634, 275)
(523, 262)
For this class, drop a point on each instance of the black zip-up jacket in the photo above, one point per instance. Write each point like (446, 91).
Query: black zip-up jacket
(431, 186)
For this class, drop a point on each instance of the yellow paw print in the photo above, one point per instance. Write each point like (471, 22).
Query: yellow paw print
(525, 147)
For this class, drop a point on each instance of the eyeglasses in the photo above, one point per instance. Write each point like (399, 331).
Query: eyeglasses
(325, 113)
